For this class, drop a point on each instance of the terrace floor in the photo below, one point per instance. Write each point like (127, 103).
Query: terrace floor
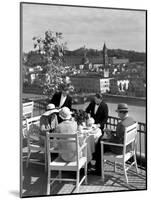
(35, 181)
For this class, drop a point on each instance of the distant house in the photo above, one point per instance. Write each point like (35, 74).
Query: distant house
(122, 85)
(113, 86)
(117, 61)
(32, 73)
(138, 87)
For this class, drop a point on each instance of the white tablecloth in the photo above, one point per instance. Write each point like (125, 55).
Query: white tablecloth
(92, 138)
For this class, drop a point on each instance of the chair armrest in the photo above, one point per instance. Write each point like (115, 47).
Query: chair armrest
(54, 150)
(43, 137)
(111, 143)
(82, 139)
(82, 147)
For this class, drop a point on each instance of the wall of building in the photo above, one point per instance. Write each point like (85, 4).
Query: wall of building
(115, 61)
(85, 84)
(90, 84)
(104, 85)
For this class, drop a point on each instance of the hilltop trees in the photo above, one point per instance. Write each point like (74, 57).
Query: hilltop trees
(133, 56)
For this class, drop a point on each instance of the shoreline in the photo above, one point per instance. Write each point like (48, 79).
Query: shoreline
(82, 98)
(137, 101)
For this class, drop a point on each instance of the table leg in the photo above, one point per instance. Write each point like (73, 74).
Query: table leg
(102, 160)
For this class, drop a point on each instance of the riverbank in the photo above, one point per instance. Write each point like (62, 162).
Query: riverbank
(85, 97)
(109, 98)
(137, 101)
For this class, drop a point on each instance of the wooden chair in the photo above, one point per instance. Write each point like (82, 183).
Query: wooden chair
(28, 109)
(130, 137)
(27, 113)
(34, 140)
(58, 164)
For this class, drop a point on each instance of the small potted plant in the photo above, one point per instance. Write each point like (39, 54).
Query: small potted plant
(81, 117)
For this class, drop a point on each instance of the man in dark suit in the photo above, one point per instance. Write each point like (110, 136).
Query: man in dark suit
(98, 109)
(62, 98)
(118, 136)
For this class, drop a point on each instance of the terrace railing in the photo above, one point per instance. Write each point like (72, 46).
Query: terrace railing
(40, 106)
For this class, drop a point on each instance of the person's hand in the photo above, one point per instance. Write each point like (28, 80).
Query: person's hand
(89, 115)
(107, 131)
(98, 125)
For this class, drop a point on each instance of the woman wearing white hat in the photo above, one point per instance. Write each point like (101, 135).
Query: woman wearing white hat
(67, 126)
(48, 120)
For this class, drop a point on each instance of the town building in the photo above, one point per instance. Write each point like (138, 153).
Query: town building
(90, 83)
(113, 88)
(118, 61)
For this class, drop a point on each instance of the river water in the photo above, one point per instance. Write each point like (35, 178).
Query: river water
(137, 112)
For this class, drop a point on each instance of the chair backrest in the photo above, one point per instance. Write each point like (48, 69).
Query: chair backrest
(60, 143)
(33, 128)
(130, 134)
(28, 109)
(33, 120)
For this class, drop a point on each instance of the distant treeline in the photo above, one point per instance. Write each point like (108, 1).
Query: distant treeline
(133, 56)
(34, 58)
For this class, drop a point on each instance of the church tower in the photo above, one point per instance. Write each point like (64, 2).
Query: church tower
(105, 62)
(85, 60)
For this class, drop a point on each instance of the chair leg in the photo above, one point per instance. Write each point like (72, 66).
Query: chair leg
(28, 157)
(114, 166)
(125, 173)
(77, 181)
(102, 161)
(85, 173)
(45, 155)
(136, 163)
(60, 175)
(48, 182)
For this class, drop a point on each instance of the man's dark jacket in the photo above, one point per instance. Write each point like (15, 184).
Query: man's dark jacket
(119, 138)
(56, 100)
(101, 114)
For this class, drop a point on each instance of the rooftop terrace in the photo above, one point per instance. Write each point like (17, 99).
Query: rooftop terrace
(34, 178)
(35, 181)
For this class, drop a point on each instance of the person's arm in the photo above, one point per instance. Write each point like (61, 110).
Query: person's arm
(53, 99)
(88, 109)
(44, 125)
(105, 116)
(45, 128)
(119, 134)
(70, 103)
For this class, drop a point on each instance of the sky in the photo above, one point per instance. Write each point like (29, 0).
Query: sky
(83, 26)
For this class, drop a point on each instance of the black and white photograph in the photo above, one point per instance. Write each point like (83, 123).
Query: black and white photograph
(83, 99)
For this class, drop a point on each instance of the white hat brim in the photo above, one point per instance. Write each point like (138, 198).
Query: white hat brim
(68, 117)
(49, 112)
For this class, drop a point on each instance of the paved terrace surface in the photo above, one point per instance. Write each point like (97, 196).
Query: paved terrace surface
(35, 180)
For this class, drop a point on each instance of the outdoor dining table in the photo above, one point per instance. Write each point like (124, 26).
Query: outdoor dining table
(92, 135)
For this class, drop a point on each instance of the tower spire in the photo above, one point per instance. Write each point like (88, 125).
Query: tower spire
(105, 55)
(105, 61)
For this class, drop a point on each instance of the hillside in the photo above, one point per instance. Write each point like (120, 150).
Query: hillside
(33, 58)
(133, 56)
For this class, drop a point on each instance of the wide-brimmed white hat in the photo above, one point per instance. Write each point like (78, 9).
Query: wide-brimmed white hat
(50, 110)
(65, 113)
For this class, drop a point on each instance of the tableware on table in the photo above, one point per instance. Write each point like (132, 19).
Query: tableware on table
(90, 121)
(94, 126)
